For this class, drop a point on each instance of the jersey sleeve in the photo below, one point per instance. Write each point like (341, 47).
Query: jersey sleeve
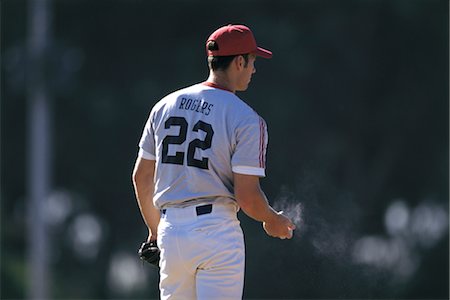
(147, 142)
(249, 156)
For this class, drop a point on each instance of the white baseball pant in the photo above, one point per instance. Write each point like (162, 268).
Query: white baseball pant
(202, 256)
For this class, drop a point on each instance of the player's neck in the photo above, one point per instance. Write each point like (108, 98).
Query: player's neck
(222, 80)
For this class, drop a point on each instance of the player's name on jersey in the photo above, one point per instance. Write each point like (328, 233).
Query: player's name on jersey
(200, 106)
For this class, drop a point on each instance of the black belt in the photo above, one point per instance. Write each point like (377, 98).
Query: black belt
(200, 210)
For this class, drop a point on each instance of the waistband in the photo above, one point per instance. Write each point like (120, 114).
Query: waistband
(200, 210)
(189, 213)
(200, 201)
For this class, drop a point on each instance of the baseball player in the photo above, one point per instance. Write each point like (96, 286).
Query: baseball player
(201, 156)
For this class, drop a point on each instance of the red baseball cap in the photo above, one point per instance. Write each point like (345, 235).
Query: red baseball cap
(235, 40)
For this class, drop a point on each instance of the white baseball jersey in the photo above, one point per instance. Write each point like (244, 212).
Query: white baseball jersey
(199, 136)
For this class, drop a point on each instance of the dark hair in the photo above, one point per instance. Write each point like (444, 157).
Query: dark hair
(216, 63)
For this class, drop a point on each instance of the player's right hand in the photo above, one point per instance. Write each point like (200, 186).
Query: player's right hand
(279, 226)
(149, 252)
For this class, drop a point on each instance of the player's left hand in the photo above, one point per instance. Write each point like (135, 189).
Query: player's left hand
(149, 252)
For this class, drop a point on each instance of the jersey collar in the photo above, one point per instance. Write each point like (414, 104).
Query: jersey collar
(216, 86)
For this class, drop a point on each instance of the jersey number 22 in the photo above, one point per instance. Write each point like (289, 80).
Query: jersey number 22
(178, 158)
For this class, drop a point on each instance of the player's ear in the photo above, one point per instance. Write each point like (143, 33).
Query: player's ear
(239, 62)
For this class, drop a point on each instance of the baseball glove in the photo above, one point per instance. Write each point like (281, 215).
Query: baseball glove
(149, 252)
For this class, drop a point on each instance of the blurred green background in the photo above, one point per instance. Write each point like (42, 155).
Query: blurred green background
(356, 101)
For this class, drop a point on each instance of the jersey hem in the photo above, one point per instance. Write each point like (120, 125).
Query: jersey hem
(249, 171)
(145, 155)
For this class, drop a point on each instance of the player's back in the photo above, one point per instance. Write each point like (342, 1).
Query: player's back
(196, 132)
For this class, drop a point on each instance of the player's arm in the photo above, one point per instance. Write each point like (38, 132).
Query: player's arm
(253, 202)
(143, 181)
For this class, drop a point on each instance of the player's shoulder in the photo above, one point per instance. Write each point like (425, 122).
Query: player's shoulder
(242, 109)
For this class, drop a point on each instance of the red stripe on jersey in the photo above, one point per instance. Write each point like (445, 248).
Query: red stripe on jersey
(261, 143)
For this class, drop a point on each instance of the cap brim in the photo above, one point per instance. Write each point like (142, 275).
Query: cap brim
(263, 52)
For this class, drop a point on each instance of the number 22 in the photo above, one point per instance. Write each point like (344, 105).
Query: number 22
(178, 158)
